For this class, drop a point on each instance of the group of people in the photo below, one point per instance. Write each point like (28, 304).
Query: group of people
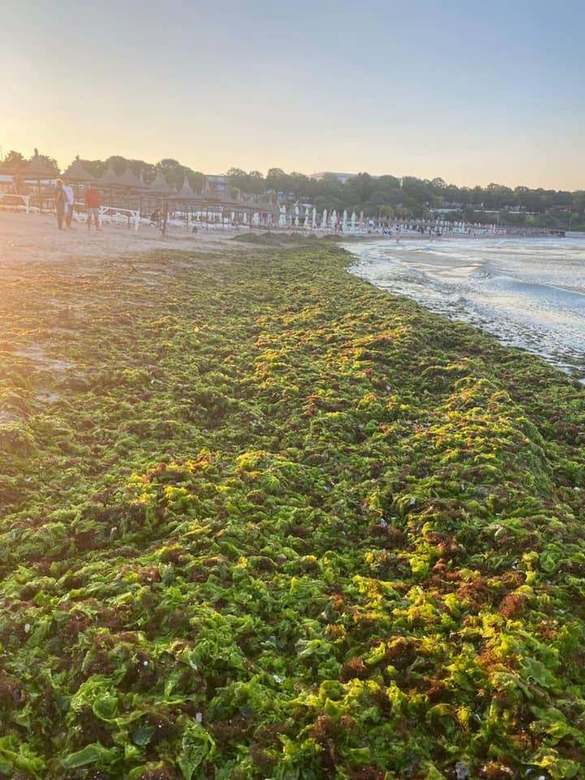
(65, 201)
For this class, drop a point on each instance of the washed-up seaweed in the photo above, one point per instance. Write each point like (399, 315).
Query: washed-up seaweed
(262, 520)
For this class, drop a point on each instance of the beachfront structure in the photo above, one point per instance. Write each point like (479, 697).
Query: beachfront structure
(77, 173)
(220, 186)
(37, 178)
(159, 185)
(186, 191)
(217, 202)
(32, 180)
(125, 181)
(38, 170)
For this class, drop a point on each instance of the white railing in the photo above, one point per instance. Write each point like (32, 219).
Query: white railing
(111, 215)
(9, 200)
(118, 216)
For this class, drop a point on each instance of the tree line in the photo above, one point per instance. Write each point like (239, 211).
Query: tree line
(406, 197)
(385, 196)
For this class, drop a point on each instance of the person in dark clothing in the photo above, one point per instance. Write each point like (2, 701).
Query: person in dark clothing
(60, 204)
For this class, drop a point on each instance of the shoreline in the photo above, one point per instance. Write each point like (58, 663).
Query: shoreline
(23, 235)
(464, 286)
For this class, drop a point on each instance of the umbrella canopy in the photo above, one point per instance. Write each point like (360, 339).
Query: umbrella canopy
(186, 191)
(128, 179)
(160, 185)
(39, 168)
(77, 172)
(109, 178)
(14, 169)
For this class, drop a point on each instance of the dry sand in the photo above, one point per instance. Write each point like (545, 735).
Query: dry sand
(35, 238)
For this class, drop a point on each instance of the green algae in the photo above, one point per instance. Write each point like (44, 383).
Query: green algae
(274, 523)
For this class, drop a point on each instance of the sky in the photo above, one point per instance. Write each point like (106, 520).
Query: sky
(471, 91)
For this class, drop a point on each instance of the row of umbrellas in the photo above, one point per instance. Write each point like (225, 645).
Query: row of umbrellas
(36, 168)
(39, 169)
(77, 173)
(327, 219)
(333, 220)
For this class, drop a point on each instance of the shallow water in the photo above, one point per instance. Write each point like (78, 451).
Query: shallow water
(529, 292)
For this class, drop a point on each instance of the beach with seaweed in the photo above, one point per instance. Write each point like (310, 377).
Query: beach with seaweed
(263, 520)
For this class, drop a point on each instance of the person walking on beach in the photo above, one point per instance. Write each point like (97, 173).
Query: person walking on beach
(93, 201)
(70, 199)
(60, 204)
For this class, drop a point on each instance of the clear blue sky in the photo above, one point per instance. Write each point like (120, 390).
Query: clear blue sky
(471, 91)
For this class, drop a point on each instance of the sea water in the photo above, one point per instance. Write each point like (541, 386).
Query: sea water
(528, 292)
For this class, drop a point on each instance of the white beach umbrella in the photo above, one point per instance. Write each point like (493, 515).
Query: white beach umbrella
(314, 217)
(307, 219)
(324, 219)
(333, 218)
(344, 221)
(297, 212)
(282, 216)
(353, 220)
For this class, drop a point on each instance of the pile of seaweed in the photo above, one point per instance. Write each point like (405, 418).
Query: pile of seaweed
(262, 520)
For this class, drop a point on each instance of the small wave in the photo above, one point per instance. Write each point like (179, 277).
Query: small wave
(560, 295)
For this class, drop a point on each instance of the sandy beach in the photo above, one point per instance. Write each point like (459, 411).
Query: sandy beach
(35, 238)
